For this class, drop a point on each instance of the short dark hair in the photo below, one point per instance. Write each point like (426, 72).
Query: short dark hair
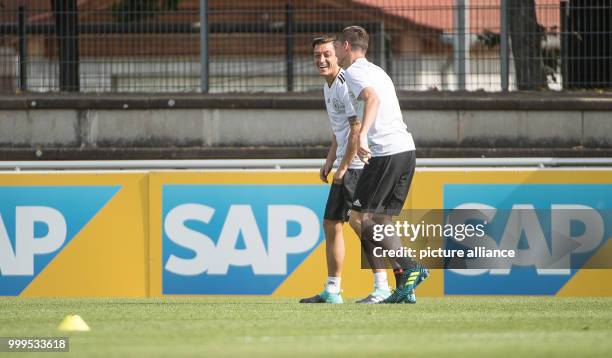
(322, 40)
(357, 36)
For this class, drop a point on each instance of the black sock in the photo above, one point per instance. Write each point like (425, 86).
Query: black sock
(400, 280)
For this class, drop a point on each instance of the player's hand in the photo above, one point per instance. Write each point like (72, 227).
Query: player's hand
(364, 150)
(324, 172)
(339, 176)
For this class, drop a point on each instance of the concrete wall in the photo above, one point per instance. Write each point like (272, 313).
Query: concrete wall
(279, 127)
(283, 122)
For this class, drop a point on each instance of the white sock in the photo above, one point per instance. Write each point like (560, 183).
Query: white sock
(380, 280)
(333, 284)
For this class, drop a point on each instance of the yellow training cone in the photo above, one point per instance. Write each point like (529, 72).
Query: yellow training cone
(73, 323)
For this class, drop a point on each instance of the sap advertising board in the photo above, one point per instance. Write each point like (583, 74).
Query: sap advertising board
(36, 223)
(544, 215)
(249, 238)
(237, 239)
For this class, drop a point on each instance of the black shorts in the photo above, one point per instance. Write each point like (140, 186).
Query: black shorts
(340, 197)
(384, 184)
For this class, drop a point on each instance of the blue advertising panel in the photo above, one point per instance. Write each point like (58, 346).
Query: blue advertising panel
(545, 216)
(37, 222)
(237, 239)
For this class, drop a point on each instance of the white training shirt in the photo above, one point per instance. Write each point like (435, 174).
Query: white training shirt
(340, 109)
(388, 134)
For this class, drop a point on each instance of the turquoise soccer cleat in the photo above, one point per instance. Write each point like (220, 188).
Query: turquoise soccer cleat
(396, 296)
(324, 297)
(409, 295)
(410, 298)
(411, 278)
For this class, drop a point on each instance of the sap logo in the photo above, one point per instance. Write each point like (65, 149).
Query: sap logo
(37, 223)
(20, 260)
(553, 227)
(237, 239)
(523, 221)
(215, 259)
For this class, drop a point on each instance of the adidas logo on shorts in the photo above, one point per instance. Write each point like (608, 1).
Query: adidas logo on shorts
(356, 203)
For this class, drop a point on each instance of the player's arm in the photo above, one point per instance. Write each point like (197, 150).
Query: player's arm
(351, 149)
(329, 160)
(371, 102)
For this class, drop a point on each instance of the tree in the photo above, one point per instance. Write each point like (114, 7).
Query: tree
(526, 38)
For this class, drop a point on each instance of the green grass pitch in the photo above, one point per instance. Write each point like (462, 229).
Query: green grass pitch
(260, 326)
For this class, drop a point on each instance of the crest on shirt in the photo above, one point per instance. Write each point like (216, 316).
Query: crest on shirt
(337, 105)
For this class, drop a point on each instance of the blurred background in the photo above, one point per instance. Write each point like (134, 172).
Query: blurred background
(530, 56)
(263, 46)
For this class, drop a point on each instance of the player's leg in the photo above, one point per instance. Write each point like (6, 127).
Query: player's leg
(381, 286)
(375, 186)
(408, 274)
(406, 271)
(378, 269)
(389, 243)
(381, 197)
(355, 223)
(334, 249)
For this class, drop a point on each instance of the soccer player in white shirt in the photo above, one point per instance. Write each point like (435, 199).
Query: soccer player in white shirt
(343, 151)
(388, 150)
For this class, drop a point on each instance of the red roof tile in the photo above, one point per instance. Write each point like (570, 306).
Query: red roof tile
(484, 14)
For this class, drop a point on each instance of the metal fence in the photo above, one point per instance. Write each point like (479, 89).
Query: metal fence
(264, 46)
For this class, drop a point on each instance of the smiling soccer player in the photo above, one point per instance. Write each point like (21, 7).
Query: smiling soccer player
(345, 127)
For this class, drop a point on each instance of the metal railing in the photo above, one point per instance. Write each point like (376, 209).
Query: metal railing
(277, 164)
(247, 46)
